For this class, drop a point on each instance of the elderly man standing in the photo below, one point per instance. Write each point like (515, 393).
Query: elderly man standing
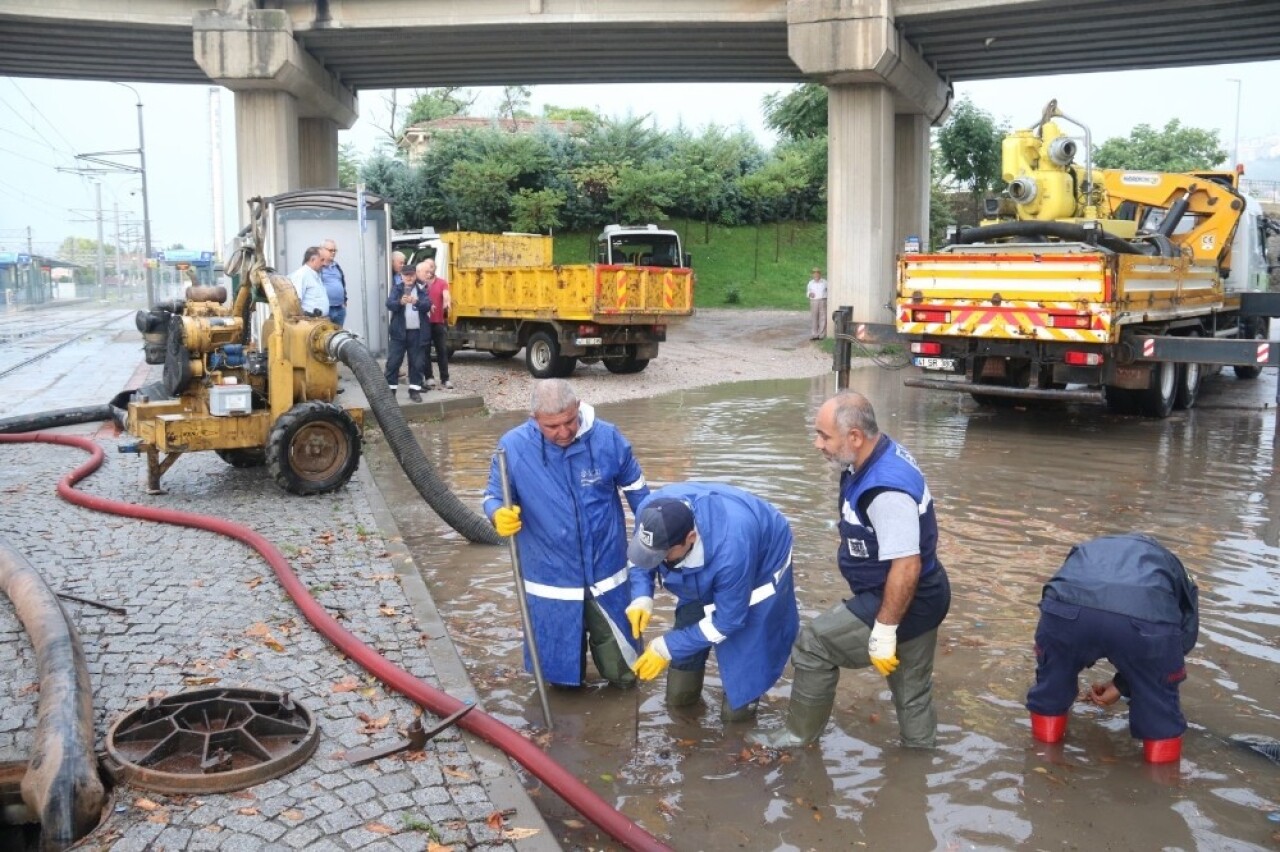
(306, 281)
(335, 283)
(888, 555)
(406, 331)
(566, 468)
(726, 556)
(817, 293)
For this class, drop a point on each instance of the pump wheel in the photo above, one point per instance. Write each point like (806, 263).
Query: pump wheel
(629, 363)
(244, 456)
(314, 448)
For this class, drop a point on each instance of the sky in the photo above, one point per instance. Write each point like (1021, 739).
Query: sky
(44, 124)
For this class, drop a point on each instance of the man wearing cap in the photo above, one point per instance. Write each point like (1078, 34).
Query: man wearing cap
(817, 293)
(1126, 598)
(566, 467)
(726, 556)
(888, 556)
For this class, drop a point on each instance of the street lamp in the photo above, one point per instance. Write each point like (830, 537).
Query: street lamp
(146, 208)
(1235, 145)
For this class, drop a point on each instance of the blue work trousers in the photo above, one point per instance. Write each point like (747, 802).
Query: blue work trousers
(1147, 654)
(411, 345)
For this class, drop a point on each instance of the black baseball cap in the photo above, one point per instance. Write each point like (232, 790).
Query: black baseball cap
(663, 523)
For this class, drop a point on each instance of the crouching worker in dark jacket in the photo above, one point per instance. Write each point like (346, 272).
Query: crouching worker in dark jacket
(1127, 599)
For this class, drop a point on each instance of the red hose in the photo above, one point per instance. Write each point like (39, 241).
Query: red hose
(555, 776)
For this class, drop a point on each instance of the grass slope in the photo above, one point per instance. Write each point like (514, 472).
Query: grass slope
(742, 266)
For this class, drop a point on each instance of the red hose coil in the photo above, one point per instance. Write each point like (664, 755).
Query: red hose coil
(555, 776)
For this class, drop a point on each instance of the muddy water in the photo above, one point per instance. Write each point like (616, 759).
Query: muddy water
(1014, 489)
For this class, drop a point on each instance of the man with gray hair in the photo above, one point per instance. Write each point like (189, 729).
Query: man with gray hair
(566, 468)
(888, 555)
(335, 283)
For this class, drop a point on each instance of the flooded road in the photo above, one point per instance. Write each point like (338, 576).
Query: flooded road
(1014, 491)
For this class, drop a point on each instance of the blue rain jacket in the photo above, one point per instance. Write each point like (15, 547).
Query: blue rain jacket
(740, 569)
(573, 543)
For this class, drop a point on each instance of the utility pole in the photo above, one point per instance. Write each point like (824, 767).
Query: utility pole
(1235, 146)
(29, 251)
(119, 277)
(102, 271)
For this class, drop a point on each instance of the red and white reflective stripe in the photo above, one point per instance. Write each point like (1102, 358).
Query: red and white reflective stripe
(1148, 348)
(1264, 352)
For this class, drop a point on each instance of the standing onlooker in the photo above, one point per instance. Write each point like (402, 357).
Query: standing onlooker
(726, 556)
(306, 281)
(565, 468)
(817, 292)
(335, 283)
(437, 335)
(1126, 598)
(409, 307)
(888, 555)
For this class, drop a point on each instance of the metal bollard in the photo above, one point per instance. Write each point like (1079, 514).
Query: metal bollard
(842, 354)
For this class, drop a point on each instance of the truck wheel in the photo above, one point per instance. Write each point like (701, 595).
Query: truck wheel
(627, 364)
(1242, 372)
(1157, 400)
(542, 355)
(314, 448)
(1189, 378)
(565, 367)
(243, 457)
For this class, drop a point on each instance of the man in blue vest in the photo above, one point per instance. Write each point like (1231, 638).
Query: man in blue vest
(726, 556)
(566, 468)
(888, 556)
(1126, 598)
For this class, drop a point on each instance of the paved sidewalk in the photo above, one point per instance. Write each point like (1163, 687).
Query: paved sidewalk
(205, 611)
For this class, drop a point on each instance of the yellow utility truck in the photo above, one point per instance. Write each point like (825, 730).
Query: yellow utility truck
(1066, 290)
(508, 295)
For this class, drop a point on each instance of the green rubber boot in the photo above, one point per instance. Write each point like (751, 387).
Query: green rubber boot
(745, 713)
(805, 722)
(683, 687)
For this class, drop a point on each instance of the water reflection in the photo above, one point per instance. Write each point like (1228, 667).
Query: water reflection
(1015, 490)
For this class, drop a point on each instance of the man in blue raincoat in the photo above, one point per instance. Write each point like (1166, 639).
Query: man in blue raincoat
(726, 556)
(566, 468)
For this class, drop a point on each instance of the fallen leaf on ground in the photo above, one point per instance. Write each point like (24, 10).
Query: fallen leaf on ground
(254, 583)
(371, 724)
(456, 773)
(247, 811)
(519, 833)
(495, 820)
(387, 610)
(438, 847)
(382, 576)
(200, 681)
(573, 823)
(326, 538)
(293, 814)
(145, 804)
(347, 684)
(160, 817)
(30, 688)
(379, 828)
(369, 692)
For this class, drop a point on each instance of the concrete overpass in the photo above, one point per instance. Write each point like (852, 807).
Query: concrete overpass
(296, 66)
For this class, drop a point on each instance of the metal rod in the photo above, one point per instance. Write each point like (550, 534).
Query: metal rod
(520, 596)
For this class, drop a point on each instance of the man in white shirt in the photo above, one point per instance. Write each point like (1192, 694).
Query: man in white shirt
(306, 280)
(817, 305)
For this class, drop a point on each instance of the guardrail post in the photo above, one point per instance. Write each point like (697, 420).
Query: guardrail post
(843, 353)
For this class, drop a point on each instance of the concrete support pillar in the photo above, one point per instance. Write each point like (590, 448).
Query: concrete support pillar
(860, 205)
(284, 99)
(911, 158)
(317, 153)
(266, 145)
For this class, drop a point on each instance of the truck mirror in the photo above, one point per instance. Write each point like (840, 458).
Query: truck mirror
(688, 261)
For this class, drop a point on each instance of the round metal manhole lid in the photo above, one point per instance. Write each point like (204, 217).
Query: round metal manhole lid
(211, 741)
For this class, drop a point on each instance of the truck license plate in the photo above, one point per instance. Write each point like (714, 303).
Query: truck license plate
(588, 341)
(947, 364)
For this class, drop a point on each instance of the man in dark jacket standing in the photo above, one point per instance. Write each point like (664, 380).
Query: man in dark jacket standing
(1125, 598)
(410, 308)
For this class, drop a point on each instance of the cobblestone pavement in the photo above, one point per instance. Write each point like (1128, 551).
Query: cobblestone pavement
(204, 610)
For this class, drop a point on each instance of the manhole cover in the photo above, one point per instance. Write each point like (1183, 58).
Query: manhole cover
(211, 741)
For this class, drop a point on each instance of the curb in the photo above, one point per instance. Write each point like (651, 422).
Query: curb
(503, 781)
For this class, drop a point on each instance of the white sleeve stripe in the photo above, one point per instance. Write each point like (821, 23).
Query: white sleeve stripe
(635, 486)
(715, 637)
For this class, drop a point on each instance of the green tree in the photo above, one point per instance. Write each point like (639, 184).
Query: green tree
(537, 211)
(478, 193)
(443, 102)
(514, 104)
(642, 194)
(941, 212)
(582, 116)
(348, 165)
(1173, 149)
(708, 166)
(969, 148)
(799, 114)
(761, 188)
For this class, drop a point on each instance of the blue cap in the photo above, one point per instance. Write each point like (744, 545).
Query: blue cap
(663, 523)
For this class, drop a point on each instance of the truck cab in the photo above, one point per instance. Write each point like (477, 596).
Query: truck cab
(633, 245)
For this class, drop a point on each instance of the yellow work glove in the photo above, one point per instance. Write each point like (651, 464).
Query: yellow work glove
(639, 613)
(883, 648)
(653, 661)
(506, 520)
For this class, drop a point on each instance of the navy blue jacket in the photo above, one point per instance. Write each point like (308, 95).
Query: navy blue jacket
(1130, 575)
(396, 327)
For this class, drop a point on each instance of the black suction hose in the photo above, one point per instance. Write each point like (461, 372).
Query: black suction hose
(350, 351)
(1061, 230)
(56, 418)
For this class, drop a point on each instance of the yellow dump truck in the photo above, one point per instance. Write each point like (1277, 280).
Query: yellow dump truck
(508, 295)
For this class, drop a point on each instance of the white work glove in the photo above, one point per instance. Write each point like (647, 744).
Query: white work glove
(639, 613)
(883, 648)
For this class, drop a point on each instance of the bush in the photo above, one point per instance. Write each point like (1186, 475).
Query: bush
(732, 296)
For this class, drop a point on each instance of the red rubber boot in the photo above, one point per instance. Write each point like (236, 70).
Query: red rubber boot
(1162, 751)
(1048, 729)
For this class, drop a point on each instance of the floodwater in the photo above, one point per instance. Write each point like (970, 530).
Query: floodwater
(1014, 489)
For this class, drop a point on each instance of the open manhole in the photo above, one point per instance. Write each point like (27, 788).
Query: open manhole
(210, 741)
